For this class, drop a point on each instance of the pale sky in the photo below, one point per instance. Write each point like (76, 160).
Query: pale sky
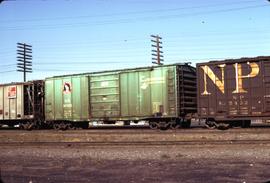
(73, 36)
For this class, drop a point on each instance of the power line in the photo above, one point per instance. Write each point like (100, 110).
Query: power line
(7, 71)
(64, 70)
(76, 63)
(181, 36)
(130, 13)
(7, 65)
(121, 21)
(214, 11)
(128, 46)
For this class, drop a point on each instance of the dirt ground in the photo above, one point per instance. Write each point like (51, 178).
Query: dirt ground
(114, 164)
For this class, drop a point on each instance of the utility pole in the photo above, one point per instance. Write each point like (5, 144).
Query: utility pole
(24, 59)
(156, 52)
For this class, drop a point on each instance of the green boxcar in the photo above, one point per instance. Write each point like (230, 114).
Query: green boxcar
(149, 93)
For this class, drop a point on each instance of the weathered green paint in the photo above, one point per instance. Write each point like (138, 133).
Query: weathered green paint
(71, 103)
(145, 93)
(49, 99)
(58, 98)
(117, 95)
(104, 92)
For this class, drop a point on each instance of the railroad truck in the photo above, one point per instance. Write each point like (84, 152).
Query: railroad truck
(164, 96)
(234, 92)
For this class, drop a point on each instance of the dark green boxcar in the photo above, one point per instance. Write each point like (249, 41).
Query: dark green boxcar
(162, 93)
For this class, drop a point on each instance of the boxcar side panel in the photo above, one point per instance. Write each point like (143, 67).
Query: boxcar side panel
(255, 92)
(11, 102)
(266, 79)
(159, 91)
(67, 90)
(85, 112)
(58, 99)
(20, 102)
(6, 104)
(76, 98)
(148, 93)
(49, 100)
(236, 89)
(12, 105)
(124, 91)
(66, 98)
(105, 96)
(135, 94)
(144, 97)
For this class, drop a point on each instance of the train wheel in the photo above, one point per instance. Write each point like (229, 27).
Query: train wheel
(21, 126)
(223, 126)
(163, 125)
(186, 124)
(63, 126)
(60, 126)
(126, 123)
(153, 125)
(245, 124)
(210, 124)
(56, 126)
(174, 125)
(28, 126)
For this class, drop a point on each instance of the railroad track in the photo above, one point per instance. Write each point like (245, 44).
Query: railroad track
(142, 127)
(137, 143)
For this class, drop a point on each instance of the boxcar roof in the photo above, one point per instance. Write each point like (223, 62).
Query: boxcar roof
(120, 70)
(15, 83)
(20, 83)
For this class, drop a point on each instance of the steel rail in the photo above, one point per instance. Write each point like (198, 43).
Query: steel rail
(137, 143)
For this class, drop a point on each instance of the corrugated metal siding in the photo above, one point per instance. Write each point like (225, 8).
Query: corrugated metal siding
(105, 96)
(49, 99)
(58, 98)
(266, 79)
(20, 102)
(144, 93)
(85, 97)
(6, 104)
(75, 99)
(135, 94)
